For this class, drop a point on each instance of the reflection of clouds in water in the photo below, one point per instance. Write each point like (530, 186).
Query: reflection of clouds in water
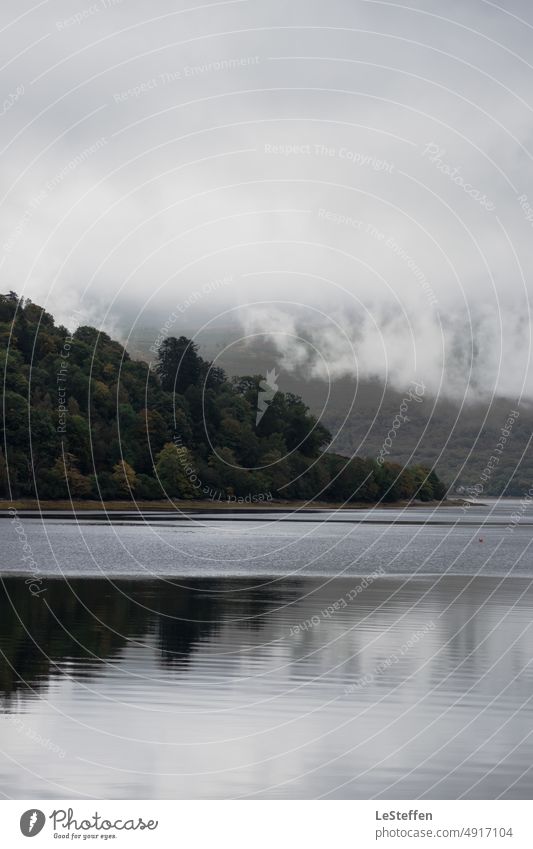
(205, 694)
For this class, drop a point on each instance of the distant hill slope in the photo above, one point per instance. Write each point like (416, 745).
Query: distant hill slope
(458, 442)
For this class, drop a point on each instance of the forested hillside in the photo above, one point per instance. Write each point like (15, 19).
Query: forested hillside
(84, 420)
(455, 436)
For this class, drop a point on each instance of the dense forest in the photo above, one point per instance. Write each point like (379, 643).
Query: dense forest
(82, 420)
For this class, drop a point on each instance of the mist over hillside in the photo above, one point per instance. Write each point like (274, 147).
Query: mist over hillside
(457, 437)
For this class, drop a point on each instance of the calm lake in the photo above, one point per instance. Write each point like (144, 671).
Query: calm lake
(224, 656)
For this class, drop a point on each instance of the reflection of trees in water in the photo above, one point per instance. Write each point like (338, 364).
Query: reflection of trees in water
(93, 620)
(188, 616)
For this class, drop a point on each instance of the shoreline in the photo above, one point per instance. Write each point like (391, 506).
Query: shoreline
(26, 505)
(431, 578)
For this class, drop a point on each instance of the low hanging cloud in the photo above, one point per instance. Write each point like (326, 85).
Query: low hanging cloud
(457, 357)
(363, 173)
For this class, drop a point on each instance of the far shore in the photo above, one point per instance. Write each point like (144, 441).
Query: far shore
(186, 506)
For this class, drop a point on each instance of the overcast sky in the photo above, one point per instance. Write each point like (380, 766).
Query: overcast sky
(352, 178)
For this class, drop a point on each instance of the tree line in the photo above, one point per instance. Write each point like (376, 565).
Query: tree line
(82, 420)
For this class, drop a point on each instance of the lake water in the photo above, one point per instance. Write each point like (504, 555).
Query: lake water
(480, 540)
(230, 657)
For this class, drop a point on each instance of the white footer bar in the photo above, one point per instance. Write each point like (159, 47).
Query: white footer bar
(267, 824)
